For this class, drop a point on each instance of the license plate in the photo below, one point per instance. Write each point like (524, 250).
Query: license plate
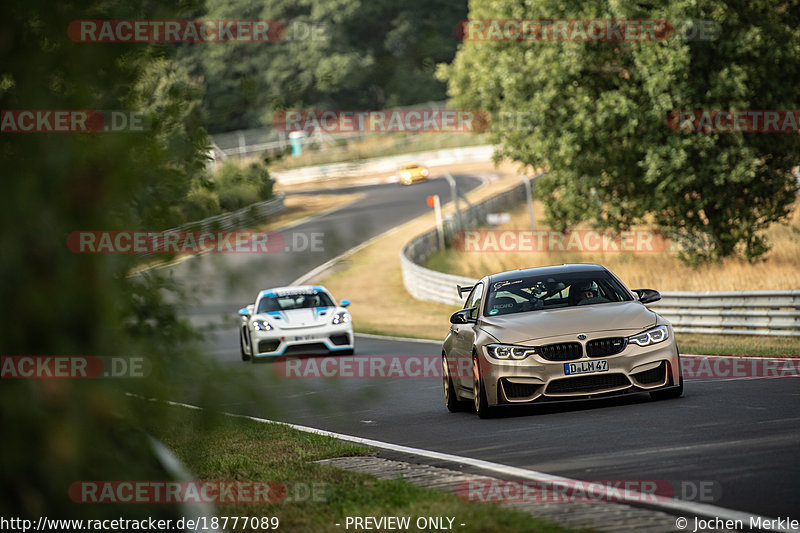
(304, 338)
(586, 367)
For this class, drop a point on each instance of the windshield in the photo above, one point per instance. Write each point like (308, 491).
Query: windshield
(549, 292)
(287, 301)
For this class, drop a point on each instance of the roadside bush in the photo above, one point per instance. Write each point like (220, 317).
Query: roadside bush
(237, 196)
(200, 203)
(233, 187)
(254, 176)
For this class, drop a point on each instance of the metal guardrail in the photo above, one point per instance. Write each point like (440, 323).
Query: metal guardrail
(241, 218)
(733, 312)
(425, 284)
(775, 313)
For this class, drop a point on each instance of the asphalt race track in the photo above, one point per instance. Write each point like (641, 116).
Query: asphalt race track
(741, 437)
(223, 283)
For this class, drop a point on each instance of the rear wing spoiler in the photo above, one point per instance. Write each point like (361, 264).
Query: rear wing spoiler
(462, 290)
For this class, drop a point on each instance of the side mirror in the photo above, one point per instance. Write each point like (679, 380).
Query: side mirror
(344, 303)
(647, 296)
(462, 316)
(244, 312)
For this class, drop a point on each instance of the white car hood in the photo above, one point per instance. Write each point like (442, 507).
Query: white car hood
(300, 318)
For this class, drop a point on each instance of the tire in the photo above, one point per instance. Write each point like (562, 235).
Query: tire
(245, 355)
(668, 394)
(480, 402)
(451, 400)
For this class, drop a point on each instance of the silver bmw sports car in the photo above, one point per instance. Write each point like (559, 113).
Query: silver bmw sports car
(556, 333)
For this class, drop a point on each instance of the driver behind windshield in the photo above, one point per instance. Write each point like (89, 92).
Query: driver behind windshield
(588, 293)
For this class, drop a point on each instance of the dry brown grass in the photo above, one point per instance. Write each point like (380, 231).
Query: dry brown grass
(780, 268)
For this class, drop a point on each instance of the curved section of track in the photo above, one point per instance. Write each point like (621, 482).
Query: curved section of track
(739, 436)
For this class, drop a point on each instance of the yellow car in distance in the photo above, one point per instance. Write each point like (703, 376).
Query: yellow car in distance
(412, 173)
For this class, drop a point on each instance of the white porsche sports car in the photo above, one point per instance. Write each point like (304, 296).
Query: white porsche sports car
(295, 320)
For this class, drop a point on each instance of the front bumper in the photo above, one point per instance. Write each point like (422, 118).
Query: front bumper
(534, 379)
(331, 339)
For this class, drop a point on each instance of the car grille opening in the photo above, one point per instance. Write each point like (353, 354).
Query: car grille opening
(310, 348)
(519, 391)
(587, 384)
(268, 346)
(652, 376)
(562, 351)
(605, 347)
(340, 339)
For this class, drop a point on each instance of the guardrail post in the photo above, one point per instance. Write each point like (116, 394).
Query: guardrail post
(454, 193)
(529, 199)
(242, 146)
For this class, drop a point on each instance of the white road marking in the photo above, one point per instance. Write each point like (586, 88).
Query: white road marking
(403, 339)
(670, 506)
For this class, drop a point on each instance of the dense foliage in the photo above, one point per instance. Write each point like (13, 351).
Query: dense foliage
(360, 54)
(596, 114)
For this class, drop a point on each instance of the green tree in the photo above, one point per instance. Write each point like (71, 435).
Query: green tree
(366, 55)
(596, 113)
(55, 302)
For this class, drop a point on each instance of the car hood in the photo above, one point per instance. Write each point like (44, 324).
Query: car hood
(299, 318)
(624, 318)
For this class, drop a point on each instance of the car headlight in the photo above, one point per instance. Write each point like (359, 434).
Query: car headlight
(651, 336)
(509, 351)
(261, 325)
(342, 317)
(424, 172)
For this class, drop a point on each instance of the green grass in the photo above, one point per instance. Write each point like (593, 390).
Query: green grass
(688, 343)
(227, 448)
(741, 345)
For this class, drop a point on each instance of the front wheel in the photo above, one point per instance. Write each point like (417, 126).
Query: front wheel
(245, 355)
(482, 408)
(451, 400)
